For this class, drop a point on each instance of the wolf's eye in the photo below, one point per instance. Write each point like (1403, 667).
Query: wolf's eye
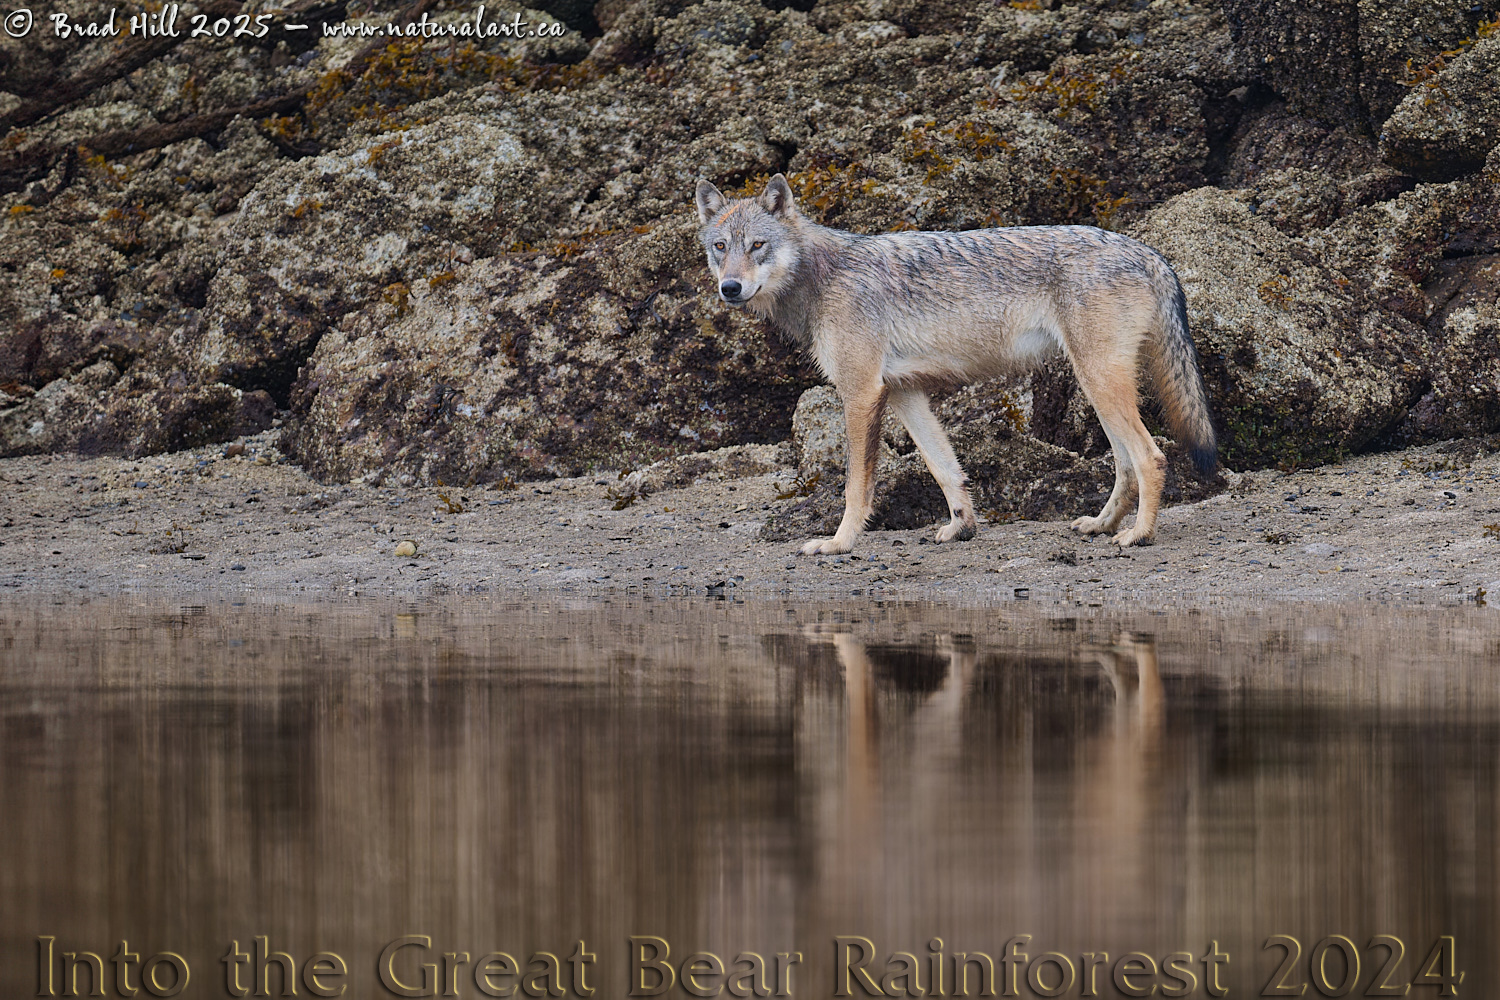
(719, 245)
(757, 244)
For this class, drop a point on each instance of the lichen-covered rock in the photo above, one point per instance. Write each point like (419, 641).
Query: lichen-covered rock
(1394, 247)
(531, 365)
(1398, 39)
(139, 415)
(818, 438)
(1464, 397)
(329, 234)
(1347, 62)
(1301, 364)
(1307, 51)
(1449, 122)
(287, 259)
(1304, 174)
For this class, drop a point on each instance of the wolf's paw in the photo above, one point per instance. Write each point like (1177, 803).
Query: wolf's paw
(826, 547)
(1135, 536)
(957, 531)
(1091, 525)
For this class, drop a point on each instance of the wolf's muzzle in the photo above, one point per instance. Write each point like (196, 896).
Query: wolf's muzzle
(730, 290)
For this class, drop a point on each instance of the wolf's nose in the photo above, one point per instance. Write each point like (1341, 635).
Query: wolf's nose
(730, 289)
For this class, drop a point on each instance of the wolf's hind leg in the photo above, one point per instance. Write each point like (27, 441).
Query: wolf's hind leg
(912, 408)
(1111, 390)
(1120, 498)
(864, 406)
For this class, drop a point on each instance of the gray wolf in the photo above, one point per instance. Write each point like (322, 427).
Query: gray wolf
(891, 317)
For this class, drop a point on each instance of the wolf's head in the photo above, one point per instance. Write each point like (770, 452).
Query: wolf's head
(751, 242)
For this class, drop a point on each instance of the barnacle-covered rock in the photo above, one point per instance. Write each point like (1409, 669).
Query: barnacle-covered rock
(531, 365)
(1449, 122)
(473, 258)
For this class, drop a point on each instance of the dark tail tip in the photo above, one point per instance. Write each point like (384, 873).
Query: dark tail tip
(1205, 459)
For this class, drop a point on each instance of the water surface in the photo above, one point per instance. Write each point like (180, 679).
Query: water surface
(742, 778)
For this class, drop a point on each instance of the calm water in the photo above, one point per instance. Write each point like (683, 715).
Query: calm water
(739, 778)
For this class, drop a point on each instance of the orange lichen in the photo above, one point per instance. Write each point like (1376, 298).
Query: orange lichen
(1425, 76)
(409, 70)
(1277, 291)
(123, 226)
(398, 294)
(1068, 90)
(1084, 196)
(978, 143)
(822, 189)
(377, 152)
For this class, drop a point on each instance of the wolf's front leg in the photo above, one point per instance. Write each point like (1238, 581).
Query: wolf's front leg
(863, 409)
(914, 410)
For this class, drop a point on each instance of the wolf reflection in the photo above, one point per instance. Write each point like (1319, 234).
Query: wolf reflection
(711, 774)
(911, 713)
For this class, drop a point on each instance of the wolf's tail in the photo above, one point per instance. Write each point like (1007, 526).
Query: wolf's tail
(1178, 380)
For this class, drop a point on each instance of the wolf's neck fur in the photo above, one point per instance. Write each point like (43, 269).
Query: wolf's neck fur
(795, 306)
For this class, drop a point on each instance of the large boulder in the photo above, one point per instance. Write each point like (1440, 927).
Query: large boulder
(97, 412)
(1450, 120)
(533, 365)
(1348, 62)
(1464, 397)
(1302, 365)
(1303, 174)
(1400, 39)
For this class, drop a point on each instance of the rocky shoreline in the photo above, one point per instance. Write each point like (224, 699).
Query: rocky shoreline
(410, 262)
(1417, 526)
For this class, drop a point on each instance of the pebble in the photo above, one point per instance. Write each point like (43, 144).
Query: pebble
(406, 548)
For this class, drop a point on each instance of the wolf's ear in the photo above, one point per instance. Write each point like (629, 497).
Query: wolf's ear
(777, 197)
(710, 200)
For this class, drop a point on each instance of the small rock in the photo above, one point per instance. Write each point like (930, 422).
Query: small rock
(235, 449)
(1321, 549)
(406, 548)
(237, 568)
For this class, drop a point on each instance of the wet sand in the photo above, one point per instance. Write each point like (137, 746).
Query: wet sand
(524, 774)
(1403, 526)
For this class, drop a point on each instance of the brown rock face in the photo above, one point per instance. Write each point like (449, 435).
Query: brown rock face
(1449, 122)
(532, 365)
(1308, 51)
(477, 261)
